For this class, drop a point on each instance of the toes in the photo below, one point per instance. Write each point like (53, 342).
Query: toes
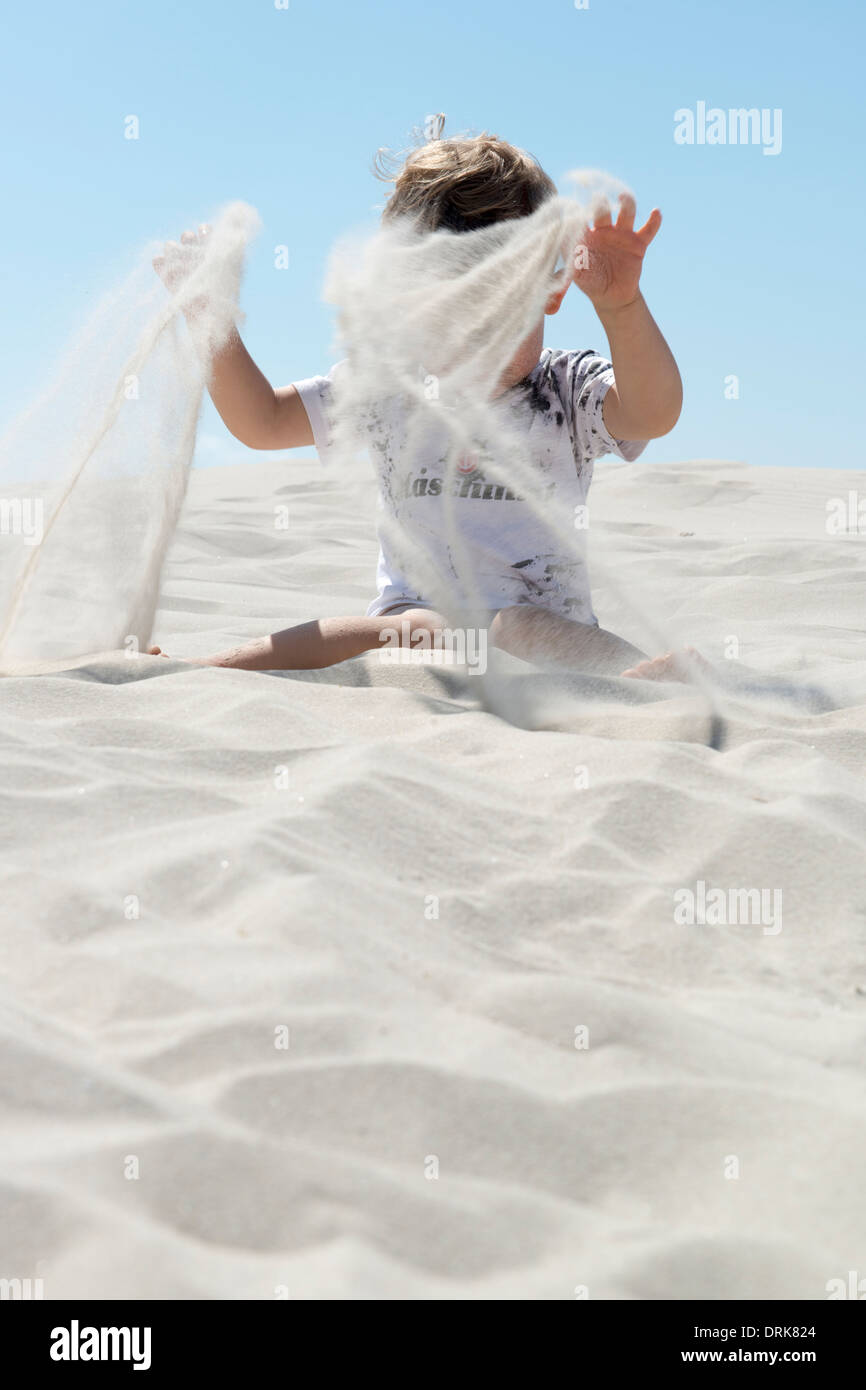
(655, 669)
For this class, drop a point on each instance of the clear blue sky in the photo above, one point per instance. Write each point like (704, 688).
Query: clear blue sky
(758, 270)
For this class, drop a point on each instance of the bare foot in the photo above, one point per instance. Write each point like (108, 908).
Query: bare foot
(673, 666)
(185, 660)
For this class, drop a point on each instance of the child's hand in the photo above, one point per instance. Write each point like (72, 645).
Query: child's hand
(607, 262)
(180, 259)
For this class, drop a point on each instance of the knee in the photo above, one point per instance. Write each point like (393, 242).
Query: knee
(423, 620)
(512, 626)
(402, 629)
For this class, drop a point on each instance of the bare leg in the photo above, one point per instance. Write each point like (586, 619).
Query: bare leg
(544, 638)
(323, 642)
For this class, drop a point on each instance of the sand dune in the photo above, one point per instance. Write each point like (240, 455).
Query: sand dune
(431, 903)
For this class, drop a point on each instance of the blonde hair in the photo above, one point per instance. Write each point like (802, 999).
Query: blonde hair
(464, 183)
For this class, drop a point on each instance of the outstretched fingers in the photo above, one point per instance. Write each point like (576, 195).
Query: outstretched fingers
(601, 217)
(627, 210)
(650, 227)
(600, 212)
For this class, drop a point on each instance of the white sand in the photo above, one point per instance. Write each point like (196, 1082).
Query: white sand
(262, 905)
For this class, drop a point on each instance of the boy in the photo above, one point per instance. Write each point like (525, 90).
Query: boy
(575, 407)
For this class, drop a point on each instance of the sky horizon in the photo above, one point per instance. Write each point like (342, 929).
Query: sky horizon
(284, 106)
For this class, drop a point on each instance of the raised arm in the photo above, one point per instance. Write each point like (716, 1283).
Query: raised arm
(255, 413)
(647, 397)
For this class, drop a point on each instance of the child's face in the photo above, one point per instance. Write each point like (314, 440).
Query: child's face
(525, 359)
(528, 353)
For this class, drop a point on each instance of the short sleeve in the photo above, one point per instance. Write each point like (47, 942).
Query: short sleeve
(317, 394)
(584, 379)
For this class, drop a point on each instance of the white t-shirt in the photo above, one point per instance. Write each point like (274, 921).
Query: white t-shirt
(516, 557)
